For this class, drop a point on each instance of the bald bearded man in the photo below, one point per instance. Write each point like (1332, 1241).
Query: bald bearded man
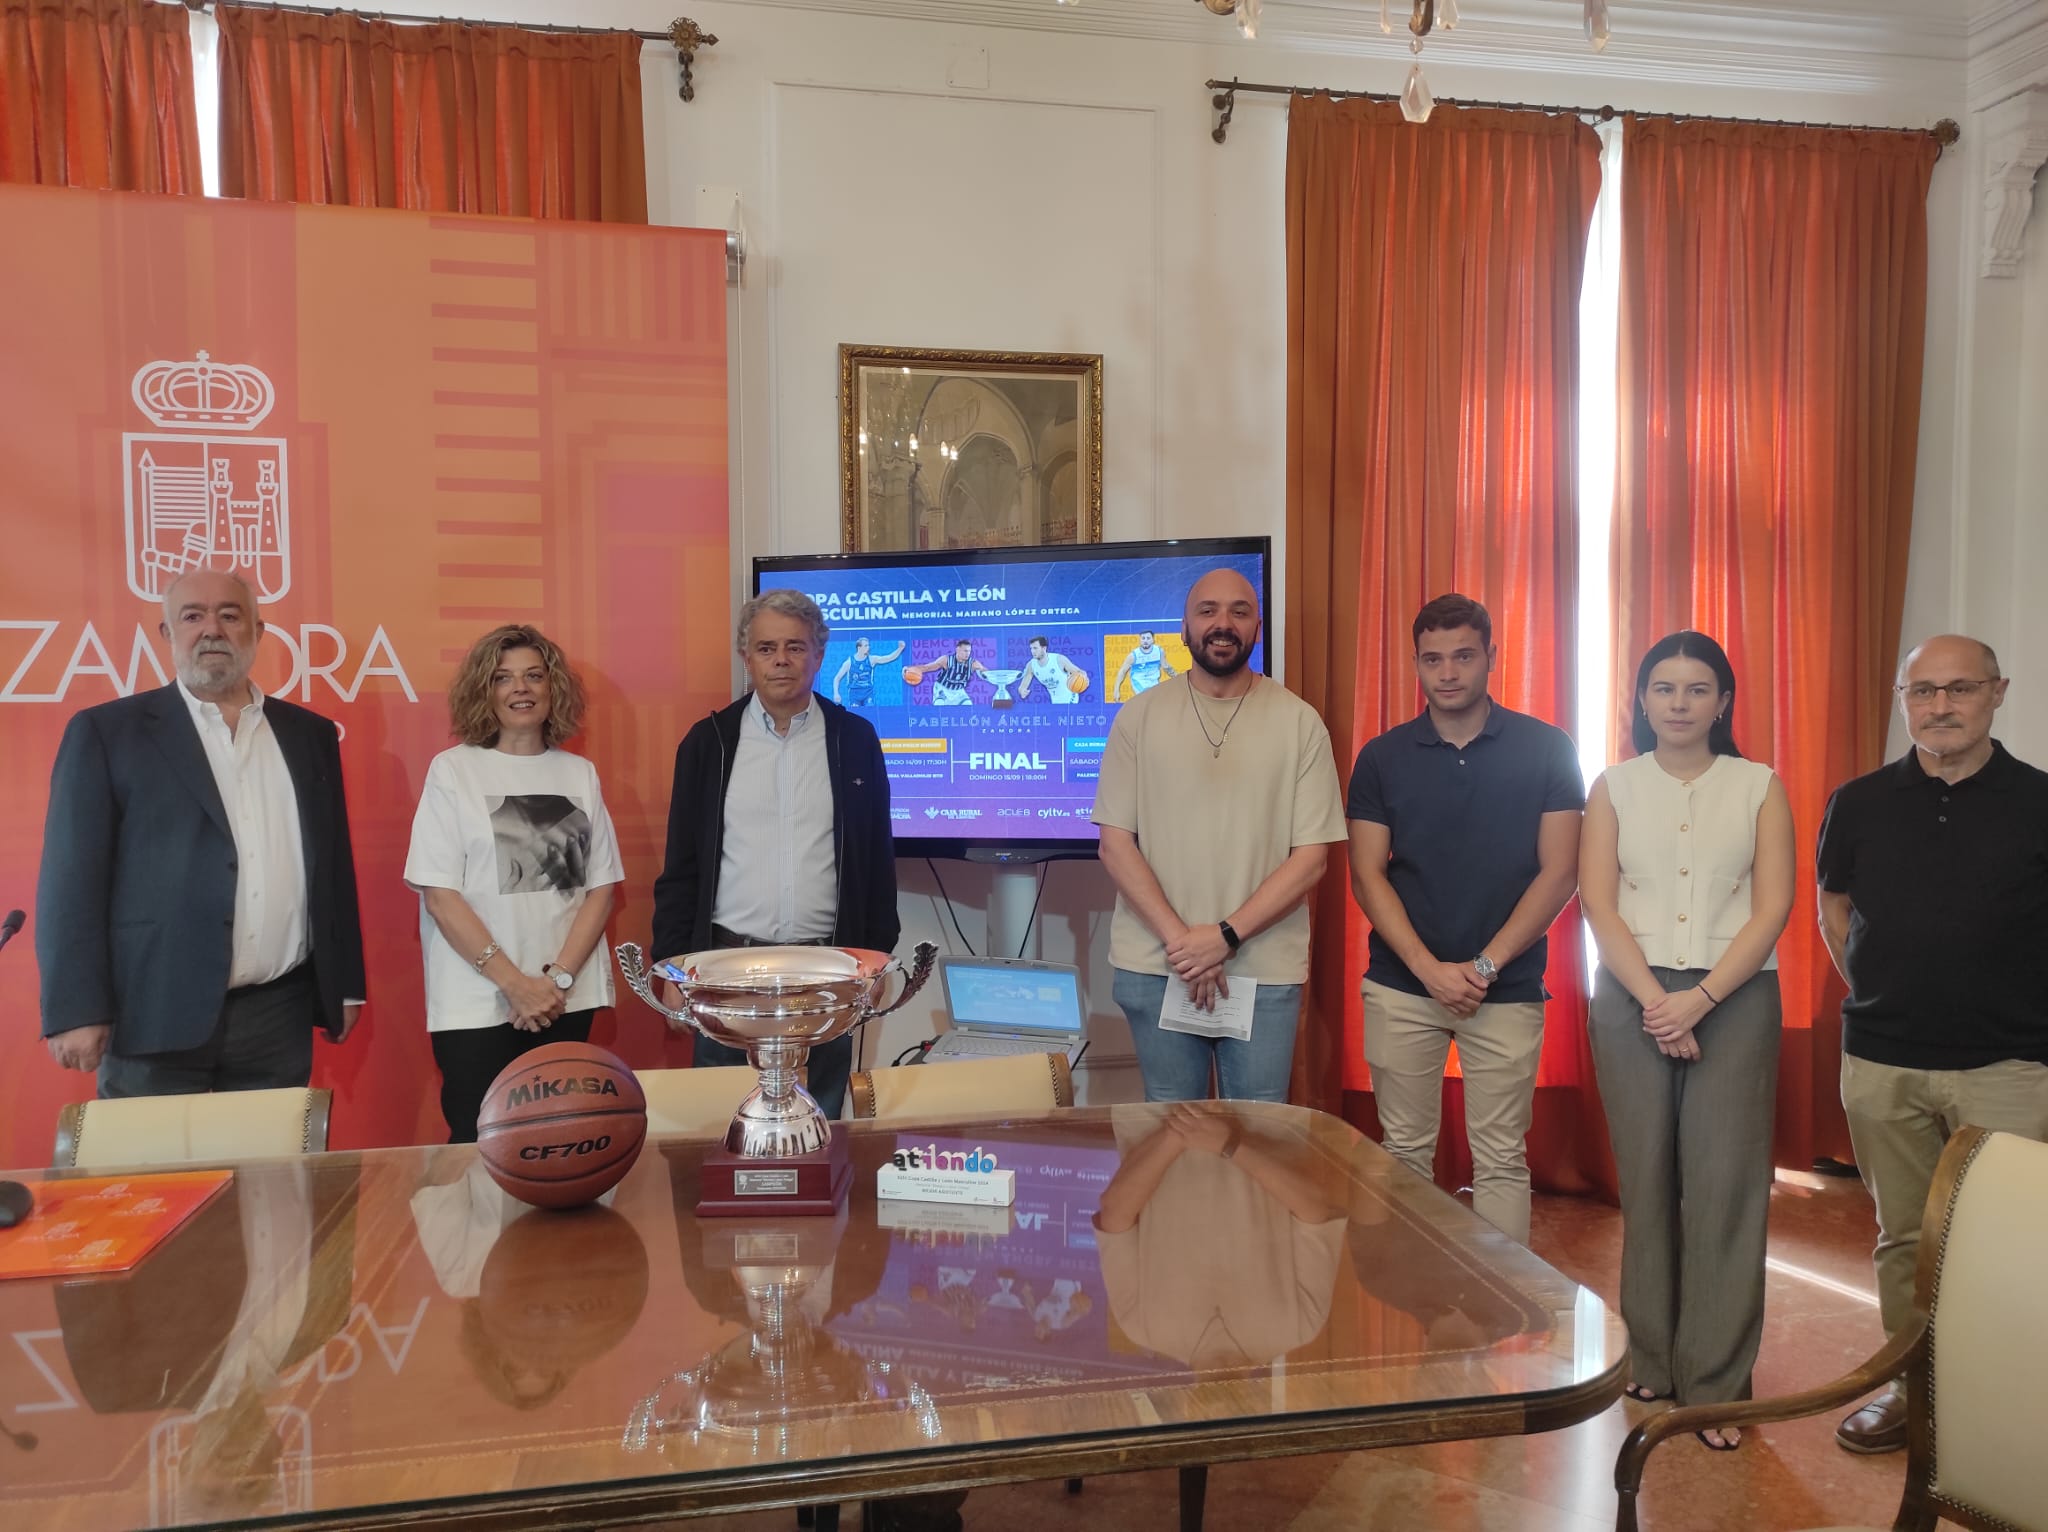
(1217, 807)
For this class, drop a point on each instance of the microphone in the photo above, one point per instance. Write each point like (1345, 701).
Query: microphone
(11, 926)
(16, 1203)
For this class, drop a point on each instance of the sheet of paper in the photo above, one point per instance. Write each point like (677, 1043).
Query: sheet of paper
(1231, 1018)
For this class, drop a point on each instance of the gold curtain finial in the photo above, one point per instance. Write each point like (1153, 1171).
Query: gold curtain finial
(688, 37)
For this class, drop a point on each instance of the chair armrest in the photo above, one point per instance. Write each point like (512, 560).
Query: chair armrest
(1903, 1348)
(861, 1085)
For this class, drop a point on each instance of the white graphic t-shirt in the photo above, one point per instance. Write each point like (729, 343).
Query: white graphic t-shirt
(523, 839)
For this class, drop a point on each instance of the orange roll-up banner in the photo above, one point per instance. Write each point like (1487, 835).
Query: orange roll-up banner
(436, 424)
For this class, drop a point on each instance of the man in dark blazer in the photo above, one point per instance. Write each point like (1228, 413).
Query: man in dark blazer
(196, 913)
(778, 825)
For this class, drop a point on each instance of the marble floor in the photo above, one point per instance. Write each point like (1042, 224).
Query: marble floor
(1821, 1321)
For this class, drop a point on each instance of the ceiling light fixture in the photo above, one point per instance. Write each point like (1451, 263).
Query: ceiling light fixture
(1424, 17)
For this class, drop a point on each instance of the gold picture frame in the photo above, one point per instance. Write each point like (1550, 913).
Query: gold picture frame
(968, 449)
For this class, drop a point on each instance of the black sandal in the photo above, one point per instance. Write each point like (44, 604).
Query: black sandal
(1641, 1393)
(1723, 1445)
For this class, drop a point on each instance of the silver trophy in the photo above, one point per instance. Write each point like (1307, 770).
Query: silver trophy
(777, 1003)
(1002, 680)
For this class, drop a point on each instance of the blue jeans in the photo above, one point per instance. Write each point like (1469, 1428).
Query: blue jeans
(1176, 1065)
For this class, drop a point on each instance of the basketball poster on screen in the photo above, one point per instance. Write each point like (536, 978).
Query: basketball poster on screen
(993, 685)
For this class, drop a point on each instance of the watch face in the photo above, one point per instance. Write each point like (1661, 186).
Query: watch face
(563, 978)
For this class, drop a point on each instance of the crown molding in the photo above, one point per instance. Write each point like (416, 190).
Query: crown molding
(2008, 50)
(1874, 48)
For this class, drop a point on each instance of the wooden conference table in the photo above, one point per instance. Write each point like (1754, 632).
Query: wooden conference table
(384, 1339)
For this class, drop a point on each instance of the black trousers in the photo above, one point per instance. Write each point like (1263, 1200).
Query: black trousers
(262, 1041)
(470, 1059)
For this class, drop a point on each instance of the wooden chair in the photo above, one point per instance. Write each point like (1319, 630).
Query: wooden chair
(970, 1088)
(695, 1103)
(171, 1130)
(1974, 1353)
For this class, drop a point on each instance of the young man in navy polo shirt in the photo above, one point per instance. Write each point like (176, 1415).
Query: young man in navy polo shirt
(1464, 846)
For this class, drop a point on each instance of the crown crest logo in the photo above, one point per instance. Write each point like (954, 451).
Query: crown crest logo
(203, 395)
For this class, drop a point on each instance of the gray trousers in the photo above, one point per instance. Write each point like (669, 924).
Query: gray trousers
(263, 1041)
(1692, 1142)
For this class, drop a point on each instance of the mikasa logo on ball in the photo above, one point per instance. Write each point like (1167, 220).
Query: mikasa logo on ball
(540, 1090)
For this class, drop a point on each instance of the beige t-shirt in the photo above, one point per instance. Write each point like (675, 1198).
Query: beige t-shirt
(1213, 824)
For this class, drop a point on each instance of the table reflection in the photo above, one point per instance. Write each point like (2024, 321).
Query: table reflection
(205, 1330)
(543, 1293)
(785, 1366)
(390, 1329)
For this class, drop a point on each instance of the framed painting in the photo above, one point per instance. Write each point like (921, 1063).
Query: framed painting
(968, 449)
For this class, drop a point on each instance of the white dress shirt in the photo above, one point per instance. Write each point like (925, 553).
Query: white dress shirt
(272, 935)
(778, 878)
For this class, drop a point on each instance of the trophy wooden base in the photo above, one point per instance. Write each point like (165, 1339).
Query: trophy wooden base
(797, 1186)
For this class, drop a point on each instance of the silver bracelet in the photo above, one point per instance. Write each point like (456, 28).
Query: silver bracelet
(485, 956)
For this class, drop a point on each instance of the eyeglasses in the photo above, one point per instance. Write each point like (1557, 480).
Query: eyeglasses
(1922, 692)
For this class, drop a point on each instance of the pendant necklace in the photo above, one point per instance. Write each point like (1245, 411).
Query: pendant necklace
(1216, 744)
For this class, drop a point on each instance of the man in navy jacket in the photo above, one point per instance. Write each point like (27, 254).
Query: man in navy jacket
(778, 826)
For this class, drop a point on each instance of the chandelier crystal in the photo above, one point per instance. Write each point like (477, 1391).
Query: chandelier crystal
(1424, 17)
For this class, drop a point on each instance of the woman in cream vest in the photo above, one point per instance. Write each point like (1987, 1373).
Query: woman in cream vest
(1686, 876)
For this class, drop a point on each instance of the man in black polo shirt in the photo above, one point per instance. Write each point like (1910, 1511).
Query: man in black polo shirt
(1933, 888)
(1464, 846)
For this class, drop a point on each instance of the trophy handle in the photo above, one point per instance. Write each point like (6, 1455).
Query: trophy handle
(633, 964)
(921, 959)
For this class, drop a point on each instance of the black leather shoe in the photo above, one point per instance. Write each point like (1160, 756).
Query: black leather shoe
(1880, 1426)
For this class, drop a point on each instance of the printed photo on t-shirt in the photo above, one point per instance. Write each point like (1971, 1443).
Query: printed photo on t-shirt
(543, 842)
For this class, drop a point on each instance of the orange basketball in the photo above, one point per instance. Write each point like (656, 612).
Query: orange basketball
(1077, 681)
(562, 1125)
(913, 675)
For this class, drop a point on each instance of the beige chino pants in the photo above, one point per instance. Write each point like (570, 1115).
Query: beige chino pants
(1899, 1120)
(1408, 1041)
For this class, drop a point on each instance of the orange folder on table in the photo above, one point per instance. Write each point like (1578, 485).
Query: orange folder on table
(86, 1226)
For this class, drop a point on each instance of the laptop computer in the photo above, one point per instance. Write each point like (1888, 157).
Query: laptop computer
(1001, 1006)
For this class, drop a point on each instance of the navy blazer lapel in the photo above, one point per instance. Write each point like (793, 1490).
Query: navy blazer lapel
(171, 727)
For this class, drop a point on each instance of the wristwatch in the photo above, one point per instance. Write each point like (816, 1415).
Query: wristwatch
(564, 980)
(1230, 938)
(1483, 966)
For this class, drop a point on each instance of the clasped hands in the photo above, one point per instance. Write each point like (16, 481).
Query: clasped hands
(1197, 957)
(535, 1001)
(1456, 987)
(1670, 1018)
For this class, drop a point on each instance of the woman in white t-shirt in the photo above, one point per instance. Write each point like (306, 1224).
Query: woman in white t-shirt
(1685, 875)
(516, 867)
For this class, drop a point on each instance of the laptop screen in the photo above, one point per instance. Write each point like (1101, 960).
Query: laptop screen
(1017, 997)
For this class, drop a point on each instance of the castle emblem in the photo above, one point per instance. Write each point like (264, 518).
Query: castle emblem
(201, 490)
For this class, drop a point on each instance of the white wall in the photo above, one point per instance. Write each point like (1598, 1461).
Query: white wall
(1075, 201)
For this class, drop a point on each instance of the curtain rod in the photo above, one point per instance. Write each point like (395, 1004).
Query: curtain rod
(684, 34)
(1944, 132)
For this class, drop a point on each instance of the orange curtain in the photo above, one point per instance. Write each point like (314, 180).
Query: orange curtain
(1773, 309)
(451, 118)
(1432, 384)
(98, 93)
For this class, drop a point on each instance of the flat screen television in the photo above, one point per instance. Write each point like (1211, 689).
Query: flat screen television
(993, 675)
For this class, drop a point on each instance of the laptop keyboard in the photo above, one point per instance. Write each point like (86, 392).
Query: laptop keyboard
(966, 1045)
